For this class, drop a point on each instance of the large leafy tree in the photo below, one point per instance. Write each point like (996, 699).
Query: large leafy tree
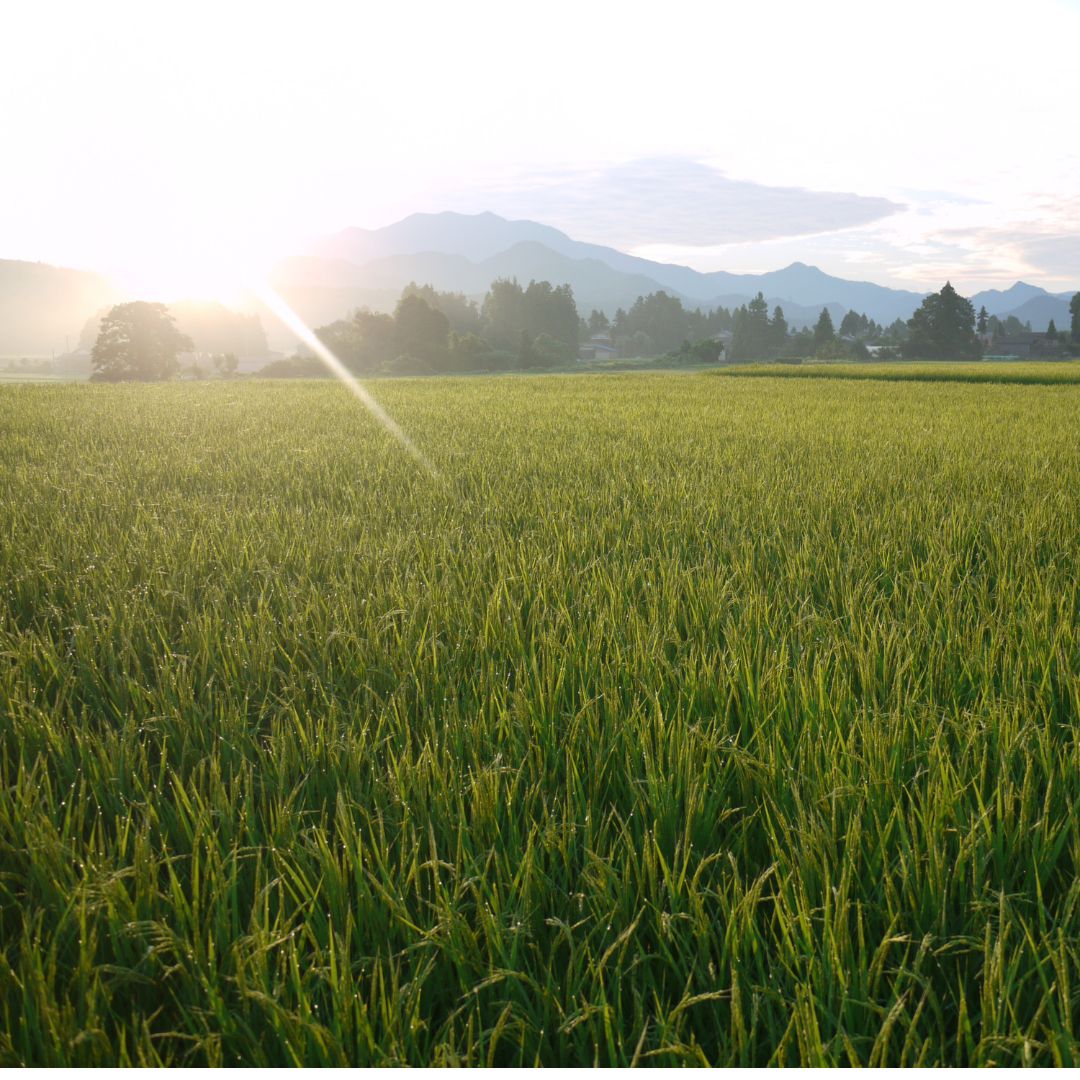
(503, 313)
(943, 328)
(343, 339)
(551, 310)
(462, 313)
(138, 341)
(421, 330)
(662, 317)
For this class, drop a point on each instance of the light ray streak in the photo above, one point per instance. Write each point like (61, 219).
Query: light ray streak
(336, 368)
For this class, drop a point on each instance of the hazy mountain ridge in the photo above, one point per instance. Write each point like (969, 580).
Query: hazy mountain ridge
(462, 253)
(477, 239)
(43, 308)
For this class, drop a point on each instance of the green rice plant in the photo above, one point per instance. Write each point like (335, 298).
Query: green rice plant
(679, 719)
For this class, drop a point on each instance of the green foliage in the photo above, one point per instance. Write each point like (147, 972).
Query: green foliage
(376, 334)
(823, 330)
(467, 352)
(226, 364)
(503, 314)
(212, 328)
(839, 349)
(857, 326)
(707, 351)
(552, 352)
(755, 336)
(598, 322)
(510, 311)
(345, 340)
(658, 316)
(491, 339)
(550, 311)
(896, 332)
(778, 328)
(1074, 313)
(943, 328)
(295, 367)
(138, 341)
(460, 311)
(684, 719)
(421, 331)
(527, 356)
(800, 343)
(1008, 327)
(635, 345)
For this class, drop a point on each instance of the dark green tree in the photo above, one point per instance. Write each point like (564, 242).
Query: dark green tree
(943, 328)
(344, 340)
(778, 328)
(421, 331)
(503, 314)
(526, 355)
(823, 329)
(461, 312)
(551, 310)
(896, 332)
(466, 351)
(855, 325)
(718, 320)
(1074, 311)
(637, 344)
(984, 320)
(751, 338)
(1051, 332)
(658, 315)
(598, 322)
(138, 341)
(376, 332)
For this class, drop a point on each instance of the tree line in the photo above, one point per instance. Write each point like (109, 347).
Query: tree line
(944, 327)
(432, 332)
(514, 327)
(537, 326)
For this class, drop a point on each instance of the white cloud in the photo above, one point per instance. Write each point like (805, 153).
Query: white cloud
(675, 201)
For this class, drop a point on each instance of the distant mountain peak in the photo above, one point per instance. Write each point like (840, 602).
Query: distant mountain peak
(804, 269)
(464, 252)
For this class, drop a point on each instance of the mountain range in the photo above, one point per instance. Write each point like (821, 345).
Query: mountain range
(466, 252)
(43, 308)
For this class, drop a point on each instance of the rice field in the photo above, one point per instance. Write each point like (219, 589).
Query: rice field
(676, 719)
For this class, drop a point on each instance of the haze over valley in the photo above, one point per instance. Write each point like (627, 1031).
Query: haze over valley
(47, 311)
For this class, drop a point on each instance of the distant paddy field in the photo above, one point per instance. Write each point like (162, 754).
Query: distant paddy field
(720, 718)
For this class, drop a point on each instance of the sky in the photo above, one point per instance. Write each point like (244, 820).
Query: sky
(180, 146)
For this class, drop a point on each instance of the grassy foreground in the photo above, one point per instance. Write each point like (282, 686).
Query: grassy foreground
(681, 719)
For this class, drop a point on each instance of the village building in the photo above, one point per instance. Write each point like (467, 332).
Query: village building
(598, 347)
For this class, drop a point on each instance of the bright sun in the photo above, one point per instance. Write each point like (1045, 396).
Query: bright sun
(180, 276)
(201, 253)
